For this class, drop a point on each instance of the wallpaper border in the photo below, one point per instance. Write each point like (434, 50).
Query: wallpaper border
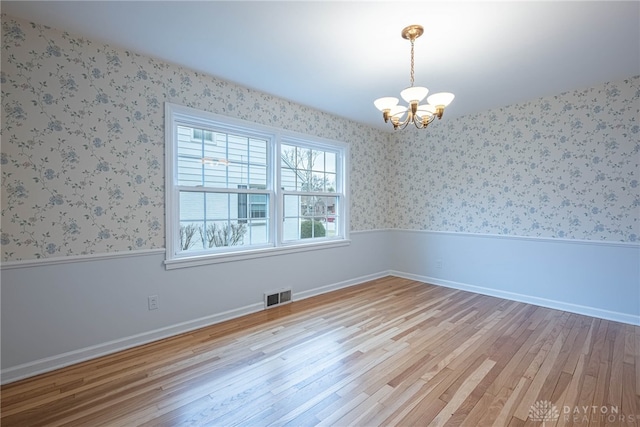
(10, 265)
(526, 238)
(28, 263)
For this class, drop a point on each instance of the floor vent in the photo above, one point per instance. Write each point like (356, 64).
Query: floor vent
(272, 299)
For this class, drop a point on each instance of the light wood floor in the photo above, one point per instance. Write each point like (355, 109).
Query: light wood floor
(389, 352)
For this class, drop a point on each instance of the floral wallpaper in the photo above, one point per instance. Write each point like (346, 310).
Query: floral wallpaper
(83, 143)
(563, 166)
(82, 156)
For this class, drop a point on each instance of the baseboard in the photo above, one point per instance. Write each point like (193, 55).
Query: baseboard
(512, 296)
(48, 364)
(335, 286)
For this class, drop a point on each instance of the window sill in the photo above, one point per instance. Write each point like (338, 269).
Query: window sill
(194, 261)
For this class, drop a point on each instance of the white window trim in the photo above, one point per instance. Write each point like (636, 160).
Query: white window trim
(276, 245)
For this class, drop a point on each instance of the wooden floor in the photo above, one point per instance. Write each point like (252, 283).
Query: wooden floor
(389, 352)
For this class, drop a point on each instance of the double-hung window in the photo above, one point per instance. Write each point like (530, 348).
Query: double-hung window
(236, 190)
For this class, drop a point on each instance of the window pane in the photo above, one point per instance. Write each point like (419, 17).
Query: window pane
(330, 161)
(214, 220)
(309, 217)
(258, 177)
(258, 151)
(237, 149)
(318, 182)
(217, 207)
(291, 229)
(330, 182)
(306, 170)
(191, 220)
(303, 159)
(191, 206)
(214, 159)
(287, 156)
(189, 171)
(288, 180)
(237, 174)
(215, 173)
(190, 236)
(259, 232)
(310, 229)
(291, 206)
(318, 161)
(215, 151)
(219, 234)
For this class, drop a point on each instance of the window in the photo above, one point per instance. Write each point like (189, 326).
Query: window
(308, 178)
(238, 190)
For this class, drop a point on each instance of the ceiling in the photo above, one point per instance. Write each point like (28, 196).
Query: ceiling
(338, 56)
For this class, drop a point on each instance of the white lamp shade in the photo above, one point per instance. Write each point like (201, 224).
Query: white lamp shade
(441, 98)
(426, 110)
(398, 110)
(414, 93)
(385, 103)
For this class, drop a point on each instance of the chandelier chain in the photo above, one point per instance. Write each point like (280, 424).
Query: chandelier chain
(412, 64)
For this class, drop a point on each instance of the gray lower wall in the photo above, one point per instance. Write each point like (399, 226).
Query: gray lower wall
(595, 278)
(55, 314)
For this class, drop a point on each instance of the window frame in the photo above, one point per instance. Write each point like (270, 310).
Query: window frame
(180, 115)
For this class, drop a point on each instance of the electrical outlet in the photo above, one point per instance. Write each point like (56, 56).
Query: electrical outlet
(153, 302)
(438, 263)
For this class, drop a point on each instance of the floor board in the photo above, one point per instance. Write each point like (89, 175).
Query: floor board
(388, 352)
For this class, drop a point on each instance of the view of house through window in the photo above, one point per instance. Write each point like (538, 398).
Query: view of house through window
(223, 194)
(235, 189)
(308, 179)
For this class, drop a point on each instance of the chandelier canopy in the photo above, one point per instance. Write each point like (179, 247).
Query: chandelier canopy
(419, 114)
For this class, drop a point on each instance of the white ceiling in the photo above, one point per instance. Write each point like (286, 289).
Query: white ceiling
(338, 56)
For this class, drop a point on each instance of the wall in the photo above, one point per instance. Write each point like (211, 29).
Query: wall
(83, 204)
(83, 132)
(68, 310)
(564, 166)
(538, 202)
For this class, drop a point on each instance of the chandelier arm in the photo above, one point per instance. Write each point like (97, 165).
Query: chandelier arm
(403, 124)
(422, 123)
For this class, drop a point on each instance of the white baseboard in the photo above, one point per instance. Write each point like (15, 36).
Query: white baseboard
(340, 285)
(512, 296)
(48, 364)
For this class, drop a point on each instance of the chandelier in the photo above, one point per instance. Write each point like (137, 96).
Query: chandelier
(418, 114)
